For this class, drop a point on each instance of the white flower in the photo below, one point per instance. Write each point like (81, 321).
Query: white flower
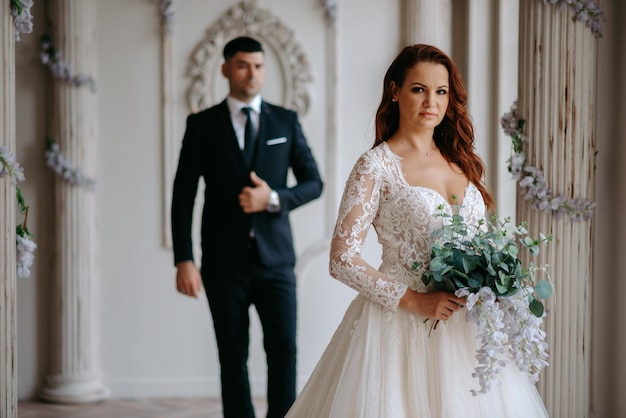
(586, 11)
(57, 162)
(22, 19)
(25, 257)
(526, 340)
(505, 322)
(9, 166)
(61, 70)
(487, 315)
(532, 181)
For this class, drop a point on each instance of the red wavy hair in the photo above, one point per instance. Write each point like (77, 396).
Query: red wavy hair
(454, 136)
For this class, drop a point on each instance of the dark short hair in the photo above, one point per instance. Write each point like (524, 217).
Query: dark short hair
(241, 44)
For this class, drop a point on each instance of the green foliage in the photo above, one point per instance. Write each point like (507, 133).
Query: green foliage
(20, 200)
(473, 257)
(21, 229)
(18, 5)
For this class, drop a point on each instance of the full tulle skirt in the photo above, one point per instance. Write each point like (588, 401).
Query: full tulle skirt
(385, 364)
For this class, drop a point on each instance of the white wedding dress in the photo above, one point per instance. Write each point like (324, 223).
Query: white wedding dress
(383, 362)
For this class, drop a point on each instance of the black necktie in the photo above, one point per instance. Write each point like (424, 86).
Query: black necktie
(249, 137)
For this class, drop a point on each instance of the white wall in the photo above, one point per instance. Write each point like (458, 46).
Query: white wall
(608, 343)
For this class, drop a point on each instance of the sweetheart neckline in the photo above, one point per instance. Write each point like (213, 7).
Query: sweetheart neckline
(404, 180)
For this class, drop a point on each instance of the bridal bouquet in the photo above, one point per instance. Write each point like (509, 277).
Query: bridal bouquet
(503, 297)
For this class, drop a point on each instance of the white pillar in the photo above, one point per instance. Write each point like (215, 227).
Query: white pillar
(168, 116)
(74, 375)
(429, 22)
(8, 202)
(557, 80)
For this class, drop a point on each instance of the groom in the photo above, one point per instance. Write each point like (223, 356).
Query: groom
(244, 148)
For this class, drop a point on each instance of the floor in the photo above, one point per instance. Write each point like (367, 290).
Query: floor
(133, 408)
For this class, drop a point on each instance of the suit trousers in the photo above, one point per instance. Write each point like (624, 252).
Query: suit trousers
(272, 291)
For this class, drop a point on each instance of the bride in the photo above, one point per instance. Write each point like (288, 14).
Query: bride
(383, 360)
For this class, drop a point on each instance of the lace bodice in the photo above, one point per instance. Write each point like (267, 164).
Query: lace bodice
(403, 216)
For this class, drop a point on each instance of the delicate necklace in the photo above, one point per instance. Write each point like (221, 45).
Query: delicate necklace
(427, 153)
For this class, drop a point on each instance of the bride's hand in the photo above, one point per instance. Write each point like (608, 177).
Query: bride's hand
(437, 305)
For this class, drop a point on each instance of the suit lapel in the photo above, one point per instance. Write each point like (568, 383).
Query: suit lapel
(265, 113)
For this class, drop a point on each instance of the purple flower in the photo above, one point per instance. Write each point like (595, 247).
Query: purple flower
(9, 166)
(532, 181)
(25, 248)
(22, 19)
(61, 70)
(586, 11)
(57, 162)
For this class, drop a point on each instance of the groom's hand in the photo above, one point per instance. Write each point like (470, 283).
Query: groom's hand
(256, 198)
(188, 279)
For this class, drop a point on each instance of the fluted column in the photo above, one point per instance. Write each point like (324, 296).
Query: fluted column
(557, 99)
(428, 22)
(74, 375)
(168, 114)
(8, 379)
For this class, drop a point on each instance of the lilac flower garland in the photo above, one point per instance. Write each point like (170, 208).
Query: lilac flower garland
(61, 70)
(532, 180)
(22, 19)
(586, 11)
(505, 323)
(57, 162)
(25, 244)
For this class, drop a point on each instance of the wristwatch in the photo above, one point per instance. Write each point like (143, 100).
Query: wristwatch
(273, 205)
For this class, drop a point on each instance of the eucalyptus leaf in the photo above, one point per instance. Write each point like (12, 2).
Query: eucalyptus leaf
(437, 264)
(543, 289)
(468, 264)
(536, 307)
(446, 270)
(501, 289)
(534, 249)
(475, 282)
(459, 273)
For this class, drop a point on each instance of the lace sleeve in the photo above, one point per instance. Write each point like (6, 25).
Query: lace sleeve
(357, 211)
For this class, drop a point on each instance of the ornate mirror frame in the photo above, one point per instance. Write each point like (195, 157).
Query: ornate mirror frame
(246, 18)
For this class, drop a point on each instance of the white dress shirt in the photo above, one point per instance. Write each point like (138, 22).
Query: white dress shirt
(239, 118)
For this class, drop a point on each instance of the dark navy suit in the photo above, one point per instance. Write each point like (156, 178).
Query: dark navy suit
(239, 270)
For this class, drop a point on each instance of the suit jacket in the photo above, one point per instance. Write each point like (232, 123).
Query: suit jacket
(210, 149)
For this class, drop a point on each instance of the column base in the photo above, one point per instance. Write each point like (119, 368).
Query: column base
(74, 390)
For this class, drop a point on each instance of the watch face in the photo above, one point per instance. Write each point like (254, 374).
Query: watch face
(274, 203)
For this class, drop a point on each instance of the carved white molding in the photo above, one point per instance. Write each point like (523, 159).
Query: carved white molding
(246, 18)
(332, 182)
